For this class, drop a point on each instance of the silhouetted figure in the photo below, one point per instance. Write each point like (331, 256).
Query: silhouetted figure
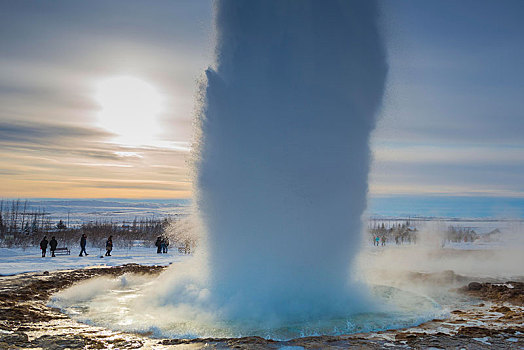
(158, 245)
(43, 246)
(83, 242)
(52, 246)
(109, 246)
(165, 244)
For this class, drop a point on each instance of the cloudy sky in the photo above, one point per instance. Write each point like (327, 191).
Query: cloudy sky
(452, 122)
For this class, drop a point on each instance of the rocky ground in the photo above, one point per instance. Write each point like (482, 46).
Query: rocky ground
(27, 323)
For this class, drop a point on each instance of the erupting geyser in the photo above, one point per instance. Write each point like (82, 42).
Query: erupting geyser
(284, 154)
(282, 162)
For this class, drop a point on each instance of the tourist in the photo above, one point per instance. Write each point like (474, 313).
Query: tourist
(109, 246)
(52, 246)
(165, 244)
(43, 246)
(383, 240)
(377, 239)
(158, 245)
(83, 242)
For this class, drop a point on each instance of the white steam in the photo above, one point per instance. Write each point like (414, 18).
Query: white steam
(284, 156)
(434, 262)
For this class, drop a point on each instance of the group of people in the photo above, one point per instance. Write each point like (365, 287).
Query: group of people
(161, 244)
(52, 246)
(379, 241)
(83, 242)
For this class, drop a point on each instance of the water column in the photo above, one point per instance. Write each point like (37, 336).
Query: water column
(283, 160)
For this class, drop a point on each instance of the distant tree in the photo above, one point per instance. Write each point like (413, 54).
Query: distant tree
(34, 225)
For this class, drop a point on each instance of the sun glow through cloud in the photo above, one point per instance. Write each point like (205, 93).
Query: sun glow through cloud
(130, 108)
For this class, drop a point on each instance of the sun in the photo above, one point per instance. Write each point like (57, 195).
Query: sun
(130, 108)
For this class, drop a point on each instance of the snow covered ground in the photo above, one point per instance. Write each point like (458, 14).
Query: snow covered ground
(17, 260)
(502, 252)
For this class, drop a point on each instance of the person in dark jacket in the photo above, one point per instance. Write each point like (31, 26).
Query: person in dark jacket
(109, 246)
(43, 246)
(158, 245)
(83, 242)
(52, 246)
(165, 244)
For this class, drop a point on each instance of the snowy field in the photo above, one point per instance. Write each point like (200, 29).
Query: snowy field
(76, 212)
(503, 252)
(17, 260)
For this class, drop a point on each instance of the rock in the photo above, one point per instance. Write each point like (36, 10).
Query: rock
(475, 332)
(474, 286)
(502, 309)
(405, 336)
(512, 315)
(59, 342)
(13, 338)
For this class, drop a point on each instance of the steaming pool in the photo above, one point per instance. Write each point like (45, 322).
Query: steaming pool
(121, 307)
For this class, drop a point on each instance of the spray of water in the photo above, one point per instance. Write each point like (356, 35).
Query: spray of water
(282, 161)
(284, 153)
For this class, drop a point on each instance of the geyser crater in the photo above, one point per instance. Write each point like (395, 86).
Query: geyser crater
(124, 303)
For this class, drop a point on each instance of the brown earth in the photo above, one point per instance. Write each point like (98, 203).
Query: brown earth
(27, 323)
(512, 292)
